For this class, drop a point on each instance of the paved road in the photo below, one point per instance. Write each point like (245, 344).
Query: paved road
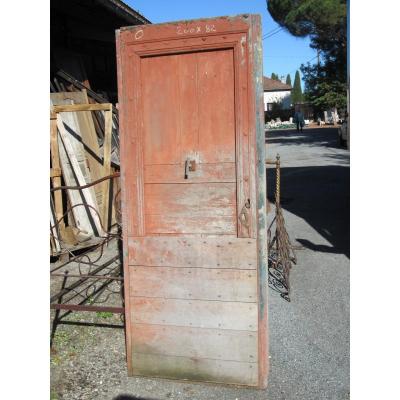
(309, 337)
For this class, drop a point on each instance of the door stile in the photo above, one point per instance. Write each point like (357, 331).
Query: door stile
(245, 202)
(126, 145)
(258, 163)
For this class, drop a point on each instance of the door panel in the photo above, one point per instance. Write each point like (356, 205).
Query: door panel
(206, 252)
(172, 282)
(195, 342)
(160, 110)
(216, 106)
(189, 121)
(188, 109)
(232, 315)
(190, 208)
(195, 369)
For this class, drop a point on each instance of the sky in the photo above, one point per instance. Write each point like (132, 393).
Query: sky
(282, 52)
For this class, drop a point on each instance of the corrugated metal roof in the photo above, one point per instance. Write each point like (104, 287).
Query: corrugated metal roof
(124, 11)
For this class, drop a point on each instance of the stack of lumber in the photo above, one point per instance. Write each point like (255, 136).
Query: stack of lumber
(84, 148)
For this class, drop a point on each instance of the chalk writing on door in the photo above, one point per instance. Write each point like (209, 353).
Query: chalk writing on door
(180, 30)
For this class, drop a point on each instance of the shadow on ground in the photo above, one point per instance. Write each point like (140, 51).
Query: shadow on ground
(321, 196)
(129, 397)
(310, 137)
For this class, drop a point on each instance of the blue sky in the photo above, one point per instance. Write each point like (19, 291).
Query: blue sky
(283, 53)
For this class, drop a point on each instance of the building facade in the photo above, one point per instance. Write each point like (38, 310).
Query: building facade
(276, 94)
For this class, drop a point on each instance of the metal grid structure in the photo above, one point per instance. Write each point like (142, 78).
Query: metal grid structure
(91, 279)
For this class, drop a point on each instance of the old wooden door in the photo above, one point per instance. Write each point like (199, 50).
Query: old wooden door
(192, 140)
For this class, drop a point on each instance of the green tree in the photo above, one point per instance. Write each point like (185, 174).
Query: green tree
(325, 22)
(274, 76)
(288, 80)
(297, 95)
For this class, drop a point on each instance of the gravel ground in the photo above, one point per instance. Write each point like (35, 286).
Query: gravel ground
(309, 337)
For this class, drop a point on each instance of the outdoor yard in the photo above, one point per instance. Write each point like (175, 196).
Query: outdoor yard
(309, 337)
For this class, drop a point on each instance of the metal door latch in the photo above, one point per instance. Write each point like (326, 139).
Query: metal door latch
(190, 166)
(244, 217)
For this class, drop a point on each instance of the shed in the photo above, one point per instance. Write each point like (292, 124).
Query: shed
(82, 40)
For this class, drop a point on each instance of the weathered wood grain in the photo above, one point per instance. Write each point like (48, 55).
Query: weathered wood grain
(160, 110)
(106, 166)
(86, 134)
(55, 163)
(73, 176)
(194, 369)
(190, 224)
(216, 106)
(217, 344)
(196, 313)
(80, 107)
(193, 208)
(204, 252)
(174, 173)
(205, 199)
(194, 283)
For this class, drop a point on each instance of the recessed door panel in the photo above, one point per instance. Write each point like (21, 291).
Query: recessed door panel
(189, 117)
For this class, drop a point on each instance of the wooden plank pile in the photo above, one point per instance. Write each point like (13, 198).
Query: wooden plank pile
(84, 150)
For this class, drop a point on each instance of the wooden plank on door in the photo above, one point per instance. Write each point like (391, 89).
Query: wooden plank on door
(218, 344)
(194, 369)
(203, 252)
(194, 283)
(204, 173)
(193, 208)
(196, 313)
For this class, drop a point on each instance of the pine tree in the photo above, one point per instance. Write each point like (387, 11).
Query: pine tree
(288, 80)
(325, 81)
(275, 76)
(297, 95)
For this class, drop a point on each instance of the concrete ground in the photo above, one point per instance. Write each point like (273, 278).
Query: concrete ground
(309, 337)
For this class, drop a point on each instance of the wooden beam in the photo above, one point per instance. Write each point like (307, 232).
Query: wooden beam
(82, 214)
(82, 107)
(106, 165)
(56, 170)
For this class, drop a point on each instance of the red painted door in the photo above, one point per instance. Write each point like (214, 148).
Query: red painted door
(191, 229)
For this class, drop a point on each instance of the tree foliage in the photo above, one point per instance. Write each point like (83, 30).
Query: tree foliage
(275, 76)
(288, 80)
(325, 21)
(297, 95)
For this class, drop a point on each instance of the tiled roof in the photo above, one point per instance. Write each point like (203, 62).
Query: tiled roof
(271, 85)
